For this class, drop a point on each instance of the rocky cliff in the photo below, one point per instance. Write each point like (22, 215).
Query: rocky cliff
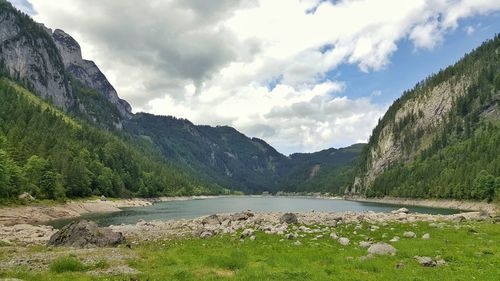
(87, 72)
(29, 54)
(51, 64)
(47, 61)
(442, 112)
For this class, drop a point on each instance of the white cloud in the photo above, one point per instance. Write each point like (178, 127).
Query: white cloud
(469, 29)
(212, 61)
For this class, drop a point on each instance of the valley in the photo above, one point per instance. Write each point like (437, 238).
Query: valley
(94, 189)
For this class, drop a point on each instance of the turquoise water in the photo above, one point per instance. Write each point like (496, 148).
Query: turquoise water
(197, 208)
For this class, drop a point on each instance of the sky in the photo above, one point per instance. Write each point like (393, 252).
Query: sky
(304, 75)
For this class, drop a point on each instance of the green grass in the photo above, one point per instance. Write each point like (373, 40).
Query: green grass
(471, 250)
(67, 264)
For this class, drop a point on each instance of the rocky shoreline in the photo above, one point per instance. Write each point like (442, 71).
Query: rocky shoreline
(441, 203)
(34, 214)
(245, 223)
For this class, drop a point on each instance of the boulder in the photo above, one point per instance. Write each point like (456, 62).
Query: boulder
(426, 236)
(381, 249)
(409, 234)
(247, 232)
(401, 211)
(206, 234)
(289, 218)
(364, 244)
(25, 196)
(394, 239)
(243, 216)
(344, 241)
(212, 220)
(84, 234)
(425, 261)
(458, 218)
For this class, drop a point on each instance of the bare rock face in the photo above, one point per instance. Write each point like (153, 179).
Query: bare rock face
(32, 53)
(87, 71)
(428, 114)
(85, 234)
(29, 54)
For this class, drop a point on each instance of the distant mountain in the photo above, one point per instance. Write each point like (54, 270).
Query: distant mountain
(442, 138)
(227, 157)
(49, 64)
(219, 154)
(329, 170)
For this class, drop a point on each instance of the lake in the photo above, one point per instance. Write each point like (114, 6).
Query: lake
(196, 208)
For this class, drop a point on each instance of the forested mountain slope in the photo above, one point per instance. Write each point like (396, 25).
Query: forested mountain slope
(227, 157)
(49, 64)
(218, 154)
(47, 153)
(330, 170)
(442, 138)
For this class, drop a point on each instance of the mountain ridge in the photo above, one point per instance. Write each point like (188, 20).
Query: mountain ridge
(218, 155)
(442, 124)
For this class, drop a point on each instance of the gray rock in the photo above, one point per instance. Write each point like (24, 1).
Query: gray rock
(440, 262)
(247, 232)
(243, 216)
(344, 241)
(87, 72)
(334, 235)
(426, 236)
(394, 239)
(297, 243)
(26, 197)
(83, 234)
(425, 261)
(289, 218)
(459, 218)
(401, 211)
(409, 234)
(364, 244)
(291, 236)
(206, 234)
(381, 249)
(211, 220)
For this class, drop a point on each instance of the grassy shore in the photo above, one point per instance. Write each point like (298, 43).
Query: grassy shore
(471, 251)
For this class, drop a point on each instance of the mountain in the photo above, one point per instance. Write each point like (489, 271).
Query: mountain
(218, 154)
(51, 155)
(227, 157)
(329, 170)
(86, 72)
(442, 138)
(29, 54)
(49, 65)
